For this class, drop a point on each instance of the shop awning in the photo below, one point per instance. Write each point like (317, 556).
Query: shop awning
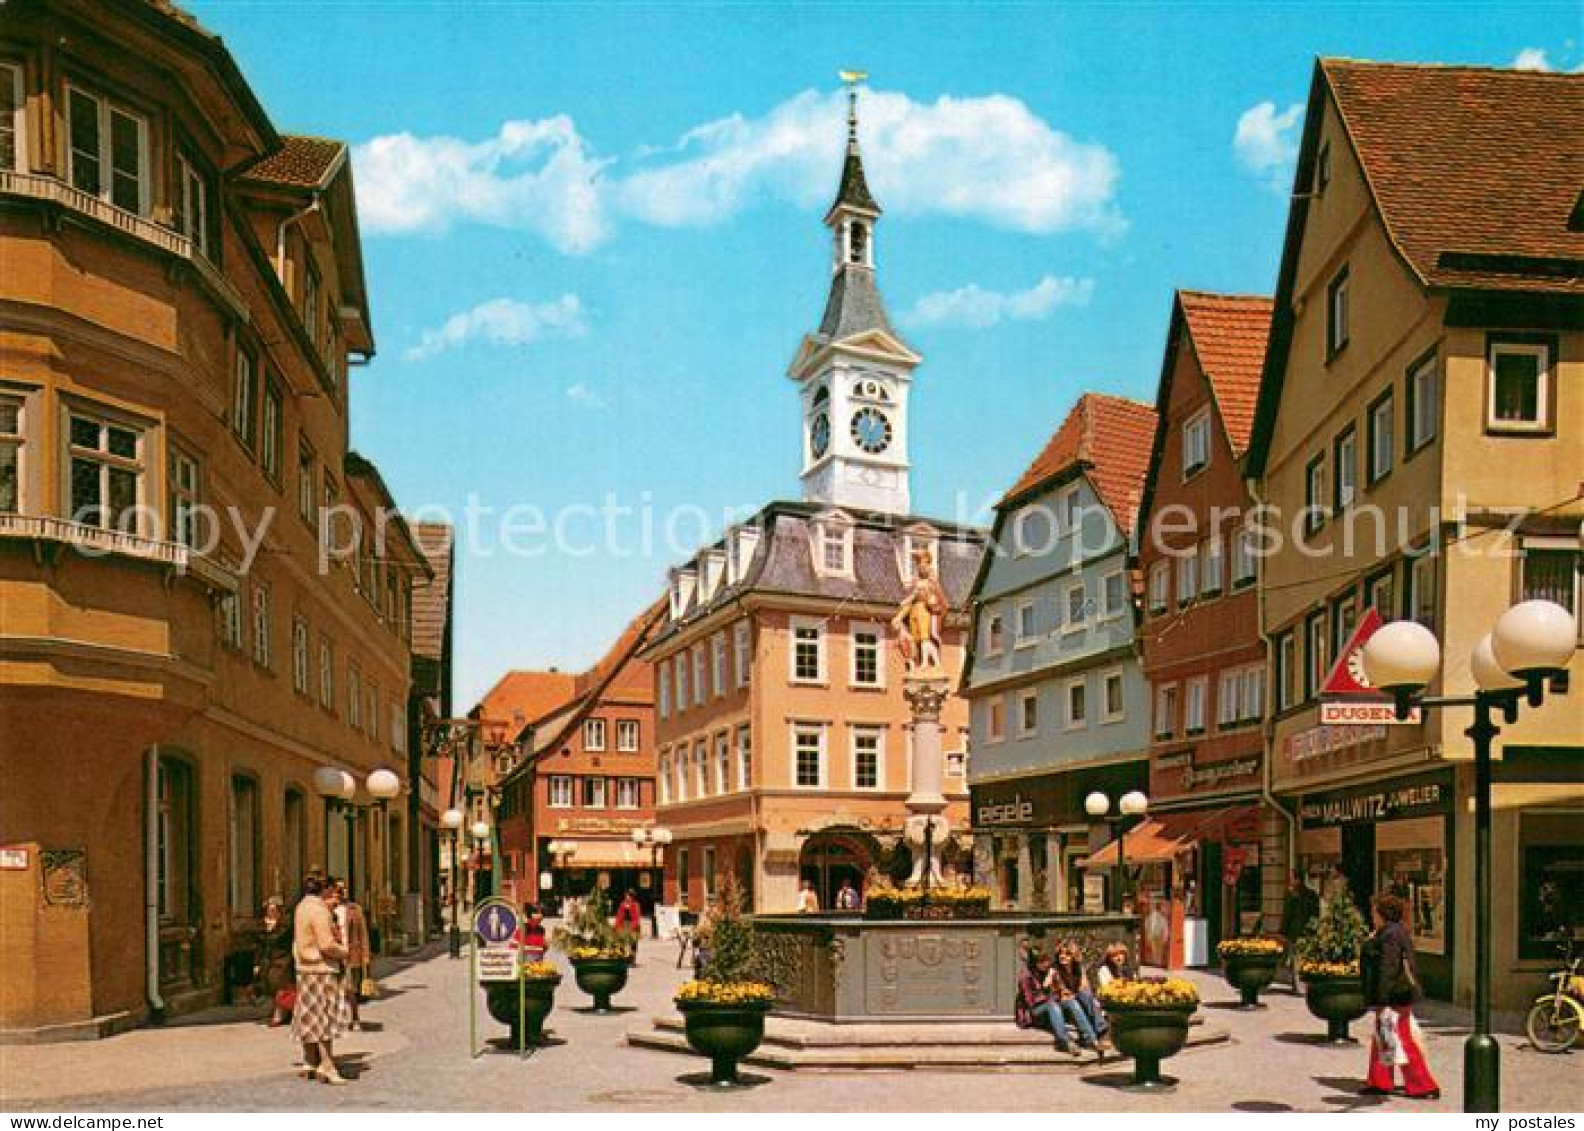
(1165, 836)
(606, 854)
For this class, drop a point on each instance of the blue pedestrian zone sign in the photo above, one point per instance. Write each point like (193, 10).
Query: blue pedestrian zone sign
(495, 924)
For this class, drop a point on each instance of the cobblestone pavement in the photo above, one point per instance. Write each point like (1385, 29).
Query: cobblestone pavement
(414, 1055)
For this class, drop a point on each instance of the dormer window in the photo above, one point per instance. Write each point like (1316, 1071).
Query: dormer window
(683, 582)
(740, 546)
(920, 537)
(833, 545)
(714, 567)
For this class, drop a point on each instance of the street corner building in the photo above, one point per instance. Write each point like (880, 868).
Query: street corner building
(784, 736)
(1426, 364)
(183, 295)
(1058, 701)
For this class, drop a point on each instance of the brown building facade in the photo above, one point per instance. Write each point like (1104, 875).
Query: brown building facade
(189, 628)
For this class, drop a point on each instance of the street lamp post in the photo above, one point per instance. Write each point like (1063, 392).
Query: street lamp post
(382, 786)
(1133, 804)
(481, 837)
(1529, 647)
(337, 788)
(655, 840)
(452, 819)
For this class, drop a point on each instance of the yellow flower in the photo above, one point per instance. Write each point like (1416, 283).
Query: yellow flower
(1250, 947)
(1328, 969)
(726, 993)
(1144, 993)
(541, 970)
(580, 953)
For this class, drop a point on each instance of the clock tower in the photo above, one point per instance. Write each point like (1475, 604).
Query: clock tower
(854, 372)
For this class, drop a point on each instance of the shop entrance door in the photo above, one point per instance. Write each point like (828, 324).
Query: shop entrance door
(1211, 889)
(1358, 864)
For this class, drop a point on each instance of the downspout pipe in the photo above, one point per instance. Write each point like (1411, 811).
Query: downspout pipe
(151, 883)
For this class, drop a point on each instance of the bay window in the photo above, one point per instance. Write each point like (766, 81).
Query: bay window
(108, 146)
(106, 473)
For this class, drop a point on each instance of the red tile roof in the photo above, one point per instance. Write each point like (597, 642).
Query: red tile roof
(1228, 333)
(631, 639)
(522, 697)
(1112, 436)
(1476, 171)
(300, 162)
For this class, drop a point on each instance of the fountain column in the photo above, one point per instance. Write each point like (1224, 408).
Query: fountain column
(926, 827)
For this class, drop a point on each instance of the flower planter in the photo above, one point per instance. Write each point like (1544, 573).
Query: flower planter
(1251, 973)
(1149, 1035)
(1336, 1000)
(601, 978)
(724, 1032)
(539, 995)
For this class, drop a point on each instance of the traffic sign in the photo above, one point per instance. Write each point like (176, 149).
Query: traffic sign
(1347, 696)
(496, 956)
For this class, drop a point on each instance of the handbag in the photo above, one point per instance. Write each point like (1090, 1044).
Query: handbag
(369, 989)
(286, 1000)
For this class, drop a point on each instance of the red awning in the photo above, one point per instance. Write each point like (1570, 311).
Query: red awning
(1165, 836)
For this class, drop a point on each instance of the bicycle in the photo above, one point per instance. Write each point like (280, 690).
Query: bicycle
(1556, 1019)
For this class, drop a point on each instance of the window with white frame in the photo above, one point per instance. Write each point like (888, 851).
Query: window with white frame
(1027, 632)
(1114, 587)
(1187, 577)
(307, 488)
(109, 150)
(680, 766)
(1165, 710)
(1551, 572)
(1382, 427)
(718, 663)
(1196, 443)
(627, 792)
(1028, 714)
(1380, 593)
(1113, 704)
(993, 633)
(995, 719)
(398, 728)
(1424, 401)
(372, 713)
(1286, 671)
(106, 473)
(228, 620)
(663, 690)
(1076, 693)
(1316, 663)
(261, 623)
(244, 398)
(808, 755)
(1245, 546)
(700, 689)
(663, 779)
(12, 411)
(808, 651)
(326, 674)
(1068, 508)
(1337, 313)
(1314, 493)
(1422, 590)
(271, 432)
(1076, 599)
(868, 656)
(594, 734)
(354, 714)
(1345, 475)
(744, 757)
(182, 491)
(742, 650)
(834, 554)
(1214, 554)
(13, 118)
(681, 682)
(1196, 690)
(868, 754)
(723, 760)
(1520, 387)
(310, 302)
(1031, 532)
(627, 735)
(701, 768)
(1251, 697)
(299, 655)
(560, 791)
(192, 204)
(1159, 586)
(594, 793)
(1227, 698)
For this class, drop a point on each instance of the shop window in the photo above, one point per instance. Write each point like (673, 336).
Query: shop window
(1551, 880)
(1410, 861)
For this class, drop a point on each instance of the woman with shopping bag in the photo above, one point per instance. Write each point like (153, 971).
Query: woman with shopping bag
(1391, 986)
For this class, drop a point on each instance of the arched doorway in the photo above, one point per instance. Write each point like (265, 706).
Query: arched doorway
(831, 857)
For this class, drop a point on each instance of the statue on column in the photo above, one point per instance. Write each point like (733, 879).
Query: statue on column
(917, 623)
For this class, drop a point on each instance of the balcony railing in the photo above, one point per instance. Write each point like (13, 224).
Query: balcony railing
(95, 541)
(35, 186)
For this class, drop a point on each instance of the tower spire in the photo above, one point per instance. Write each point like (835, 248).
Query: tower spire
(853, 192)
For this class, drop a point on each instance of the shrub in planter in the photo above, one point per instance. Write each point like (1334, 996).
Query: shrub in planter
(539, 982)
(1149, 1022)
(1328, 963)
(1250, 964)
(724, 1009)
(599, 953)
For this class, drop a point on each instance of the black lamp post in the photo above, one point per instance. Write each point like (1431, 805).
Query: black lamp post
(1133, 804)
(1530, 645)
(452, 819)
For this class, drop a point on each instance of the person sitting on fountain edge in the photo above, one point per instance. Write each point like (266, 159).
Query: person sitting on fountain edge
(1035, 1008)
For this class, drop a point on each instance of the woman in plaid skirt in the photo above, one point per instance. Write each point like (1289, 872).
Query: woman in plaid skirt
(317, 949)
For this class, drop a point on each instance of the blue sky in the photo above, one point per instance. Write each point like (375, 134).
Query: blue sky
(593, 238)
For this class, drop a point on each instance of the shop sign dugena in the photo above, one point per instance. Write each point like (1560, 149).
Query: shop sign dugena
(1417, 797)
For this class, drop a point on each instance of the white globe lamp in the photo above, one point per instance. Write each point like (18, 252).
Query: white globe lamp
(1134, 804)
(1097, 804)
(383, 785)
(1534, 639)
(452, 819)
(1488, 674)
(1402, 657)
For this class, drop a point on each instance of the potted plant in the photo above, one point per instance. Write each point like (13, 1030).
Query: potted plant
(539, 982)
(599, 953)
(724, 1009)
(1149, 1022)
(886, 901)
(1328, 963)
(1250, 964)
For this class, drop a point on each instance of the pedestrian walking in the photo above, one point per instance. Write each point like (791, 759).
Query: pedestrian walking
(531, 935)
(1391, 987)
(317, 954)
(1299, 911)
(359, 955)
(629, 923)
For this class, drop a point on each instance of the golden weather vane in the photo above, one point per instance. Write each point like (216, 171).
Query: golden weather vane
(852, 79)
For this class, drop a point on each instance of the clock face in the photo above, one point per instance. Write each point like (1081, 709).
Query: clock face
(819, 436)
(871, 431)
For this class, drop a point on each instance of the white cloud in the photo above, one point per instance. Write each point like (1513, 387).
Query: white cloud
(989, 159)
(503, 322)
(586, 396)
(1532, 59)
(1266, 143)
(975, 307)
(533, 175)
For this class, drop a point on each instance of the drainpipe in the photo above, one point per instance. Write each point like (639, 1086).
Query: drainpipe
(280, 235)
(1269, 725)
(151, 881)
